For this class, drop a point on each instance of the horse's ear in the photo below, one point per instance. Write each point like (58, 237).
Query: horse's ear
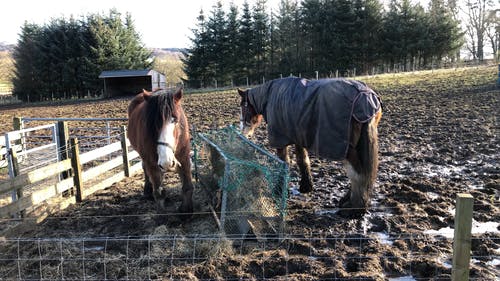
(241, 92)
(178, 95)
(145, 94)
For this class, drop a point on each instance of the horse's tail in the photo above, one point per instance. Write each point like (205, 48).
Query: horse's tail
(368, 149)
(363, 166)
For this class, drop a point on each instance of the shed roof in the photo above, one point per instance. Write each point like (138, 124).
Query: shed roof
(126, 73)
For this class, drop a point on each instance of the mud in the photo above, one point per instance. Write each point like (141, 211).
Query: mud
(438, 138)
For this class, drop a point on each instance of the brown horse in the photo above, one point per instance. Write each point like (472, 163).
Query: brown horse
(158, 130)
(333, 118)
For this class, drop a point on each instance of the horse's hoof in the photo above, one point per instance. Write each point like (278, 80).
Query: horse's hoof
(349, 212)
(345, 200)
(305, 188)
(306, 185)
(148, 192)
(185, 210)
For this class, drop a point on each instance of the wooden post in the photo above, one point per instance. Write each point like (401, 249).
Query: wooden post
(17, 123)
(63, 145)
(77, 169)
(126, 162)
(462, 237)
(16, 195)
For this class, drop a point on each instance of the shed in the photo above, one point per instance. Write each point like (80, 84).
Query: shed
(130, 82)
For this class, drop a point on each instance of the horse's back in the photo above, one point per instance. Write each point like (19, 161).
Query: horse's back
(317, 114)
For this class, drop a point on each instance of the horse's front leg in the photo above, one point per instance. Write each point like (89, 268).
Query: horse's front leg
(184, 171)
(306, 183)
(156, 177)
(148, 187)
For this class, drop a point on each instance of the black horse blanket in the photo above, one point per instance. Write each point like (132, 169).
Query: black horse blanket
(315, 114)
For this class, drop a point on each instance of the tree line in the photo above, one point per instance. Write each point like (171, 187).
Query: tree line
(303, 37)
(63, 58)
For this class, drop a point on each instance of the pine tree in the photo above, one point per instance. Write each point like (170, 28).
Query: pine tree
(313, 26)
(26, 80)
(401, 32)
(217, 36)
(245, 45)
(196, 57)
(261, 38)
(63, 59)
(367, 35)
(287, 37)
(444, 32)
(231, 43)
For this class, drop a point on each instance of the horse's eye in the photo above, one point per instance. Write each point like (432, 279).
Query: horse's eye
(173, 120)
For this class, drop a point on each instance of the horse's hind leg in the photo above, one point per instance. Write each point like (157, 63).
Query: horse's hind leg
(306, 182)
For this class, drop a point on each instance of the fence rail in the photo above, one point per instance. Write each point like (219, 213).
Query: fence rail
(84, 181)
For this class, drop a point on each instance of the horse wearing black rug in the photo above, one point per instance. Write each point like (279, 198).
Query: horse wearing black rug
(332, 118)
(158, 130)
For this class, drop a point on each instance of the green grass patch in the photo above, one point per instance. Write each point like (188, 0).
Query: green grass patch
(444, 79)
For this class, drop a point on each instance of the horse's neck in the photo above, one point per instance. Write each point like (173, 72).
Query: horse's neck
(258, 99)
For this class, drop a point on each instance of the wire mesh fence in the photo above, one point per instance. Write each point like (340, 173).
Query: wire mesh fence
(92, 133)
(318, 256)
(248, 186)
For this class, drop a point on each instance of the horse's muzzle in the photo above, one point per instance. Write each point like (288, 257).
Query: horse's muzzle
(173, 165)
(247, 132)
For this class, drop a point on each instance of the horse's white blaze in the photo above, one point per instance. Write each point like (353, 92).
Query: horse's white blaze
(166, 157)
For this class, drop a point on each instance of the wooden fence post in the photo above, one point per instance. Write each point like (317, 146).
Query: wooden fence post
(126, 162)
(63, 145)
(462, 237)
(17, 124)
(77, 169)
(16, 195)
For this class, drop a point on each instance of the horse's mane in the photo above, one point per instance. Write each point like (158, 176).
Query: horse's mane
(159, 107)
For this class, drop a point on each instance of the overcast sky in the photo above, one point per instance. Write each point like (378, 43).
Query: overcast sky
(164, 24)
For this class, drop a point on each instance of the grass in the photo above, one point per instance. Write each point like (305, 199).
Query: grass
(445, 79)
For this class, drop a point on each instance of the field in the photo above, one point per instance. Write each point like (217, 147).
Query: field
(438, 137)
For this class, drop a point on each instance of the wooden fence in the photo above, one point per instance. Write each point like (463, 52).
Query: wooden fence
(73, 177)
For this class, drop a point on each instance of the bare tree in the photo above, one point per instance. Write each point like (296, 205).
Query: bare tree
(493, 31)
(476, 26)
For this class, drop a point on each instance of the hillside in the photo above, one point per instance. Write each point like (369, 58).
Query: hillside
(6, 47)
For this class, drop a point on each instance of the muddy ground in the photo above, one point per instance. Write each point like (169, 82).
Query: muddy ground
(438, 137)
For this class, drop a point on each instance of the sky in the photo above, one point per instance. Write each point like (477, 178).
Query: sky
(162, 24)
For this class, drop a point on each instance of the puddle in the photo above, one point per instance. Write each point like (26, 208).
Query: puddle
(384, 238)
(403, 278)
(477, 228)
(433, 170)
